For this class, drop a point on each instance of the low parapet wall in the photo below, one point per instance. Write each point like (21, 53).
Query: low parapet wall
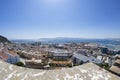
(87, 71)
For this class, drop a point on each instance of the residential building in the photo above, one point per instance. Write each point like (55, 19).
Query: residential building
(61, 58)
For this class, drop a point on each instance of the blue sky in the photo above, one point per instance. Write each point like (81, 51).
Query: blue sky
(34, 19)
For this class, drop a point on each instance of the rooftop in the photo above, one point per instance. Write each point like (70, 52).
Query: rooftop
(60, 51)
(115, 69)
(3, 56)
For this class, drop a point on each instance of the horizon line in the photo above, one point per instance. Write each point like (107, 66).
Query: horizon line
(56, 38)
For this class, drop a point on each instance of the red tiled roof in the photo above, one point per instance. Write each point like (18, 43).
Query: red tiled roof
(4, 56)
(12, 53)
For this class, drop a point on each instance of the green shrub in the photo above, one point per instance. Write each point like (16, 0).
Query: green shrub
(104, 65)
(69, 65)
(19, 64)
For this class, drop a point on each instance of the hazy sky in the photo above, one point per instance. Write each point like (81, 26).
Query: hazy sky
(32, 19)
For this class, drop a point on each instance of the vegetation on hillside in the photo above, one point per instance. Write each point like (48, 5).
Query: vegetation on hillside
(4, 39)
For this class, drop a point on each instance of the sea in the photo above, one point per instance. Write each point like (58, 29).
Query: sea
(113, 44)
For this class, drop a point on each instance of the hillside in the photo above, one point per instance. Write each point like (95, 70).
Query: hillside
(4, 39)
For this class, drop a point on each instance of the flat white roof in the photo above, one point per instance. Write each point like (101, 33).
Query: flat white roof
(60, 51)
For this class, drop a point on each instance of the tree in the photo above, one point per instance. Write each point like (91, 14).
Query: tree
(19, 64)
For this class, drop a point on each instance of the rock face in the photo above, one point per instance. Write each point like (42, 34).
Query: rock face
(4, 39)
(87, 71)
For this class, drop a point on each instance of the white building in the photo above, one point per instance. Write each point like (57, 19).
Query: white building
(61, 55)
(81, 58)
